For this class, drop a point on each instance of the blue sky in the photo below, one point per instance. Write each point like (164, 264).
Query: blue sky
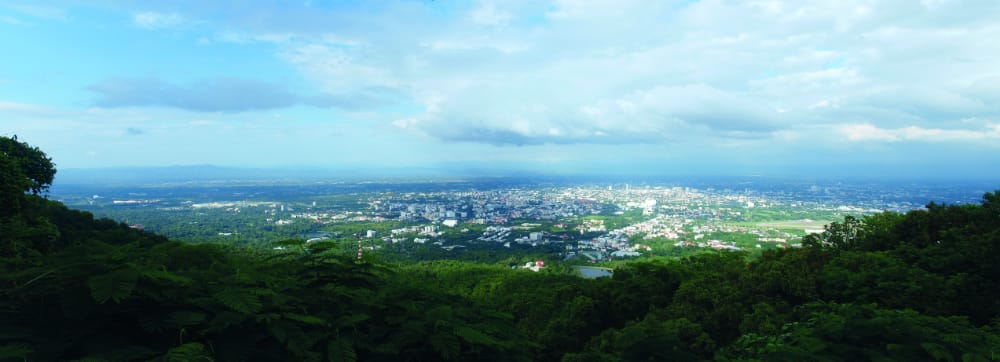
(880, 88)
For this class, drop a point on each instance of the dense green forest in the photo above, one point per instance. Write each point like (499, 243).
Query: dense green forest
(916, 286)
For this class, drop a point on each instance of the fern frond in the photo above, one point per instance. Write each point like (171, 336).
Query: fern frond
(340, 351)
(116, 285)
(240, 300)
(188, 352)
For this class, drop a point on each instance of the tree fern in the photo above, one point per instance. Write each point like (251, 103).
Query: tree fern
(474, 336)
(340, 351)
(116, 285)
(307, 319)
(188, 352)
(446, 345)
(240, 300)
(352, 319)
(163, 275)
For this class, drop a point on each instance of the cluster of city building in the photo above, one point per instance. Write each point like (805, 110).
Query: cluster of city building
(677, 214)
(577, 217)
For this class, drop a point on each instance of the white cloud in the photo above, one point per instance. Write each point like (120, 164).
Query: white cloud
(869, 132)
(405, 123)
(663, 75)
(10, 20)
(15, 106)
(673, 67)
(156, 20)
(570, 71)
(40, 11)
(488, 14)
(337, 69)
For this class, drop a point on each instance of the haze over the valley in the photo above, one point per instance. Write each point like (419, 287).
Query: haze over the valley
(823, 88)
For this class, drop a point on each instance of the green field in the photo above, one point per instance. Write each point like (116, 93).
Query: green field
(795, 224)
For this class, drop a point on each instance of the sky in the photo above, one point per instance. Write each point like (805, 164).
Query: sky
(877, 88)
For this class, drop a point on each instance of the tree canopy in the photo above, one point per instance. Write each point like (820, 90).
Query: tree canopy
(924, 285)
(28, 167)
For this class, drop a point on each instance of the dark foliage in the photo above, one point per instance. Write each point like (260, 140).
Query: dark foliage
(915, 286)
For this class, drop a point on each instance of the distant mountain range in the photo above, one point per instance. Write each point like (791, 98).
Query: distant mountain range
(200, 174)
(210, 173)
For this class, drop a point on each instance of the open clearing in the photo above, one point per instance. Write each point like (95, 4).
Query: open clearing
(795, 224)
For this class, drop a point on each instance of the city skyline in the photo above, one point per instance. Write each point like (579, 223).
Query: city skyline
(887, 88)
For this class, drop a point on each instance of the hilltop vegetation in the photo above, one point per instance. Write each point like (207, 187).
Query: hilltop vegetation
(924, 285)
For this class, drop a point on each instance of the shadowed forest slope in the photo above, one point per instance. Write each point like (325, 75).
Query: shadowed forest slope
(916, 286)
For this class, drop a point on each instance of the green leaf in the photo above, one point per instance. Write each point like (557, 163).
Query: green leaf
(937, 351)
(340, 351)
(473, 336)
(352, 319)
(441, 313)
(163, 275)
(116, 285)
(307, 319)
(340, 291)
(263, 292)
(446, 345)
(240, 300)
(188, 352)
(973, 357)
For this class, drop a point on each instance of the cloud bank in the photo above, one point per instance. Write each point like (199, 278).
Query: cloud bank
(722, 84)
(621, 72)
(213, 95)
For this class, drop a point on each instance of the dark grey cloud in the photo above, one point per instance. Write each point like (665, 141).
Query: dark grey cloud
(221, 94)
(568, 133)
(662, 114)
(929, 106)
(701, 105)
(494, 136)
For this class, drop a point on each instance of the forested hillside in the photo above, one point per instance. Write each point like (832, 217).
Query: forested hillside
(924, 285)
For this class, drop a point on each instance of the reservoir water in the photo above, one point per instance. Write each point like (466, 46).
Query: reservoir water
(591, 272)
